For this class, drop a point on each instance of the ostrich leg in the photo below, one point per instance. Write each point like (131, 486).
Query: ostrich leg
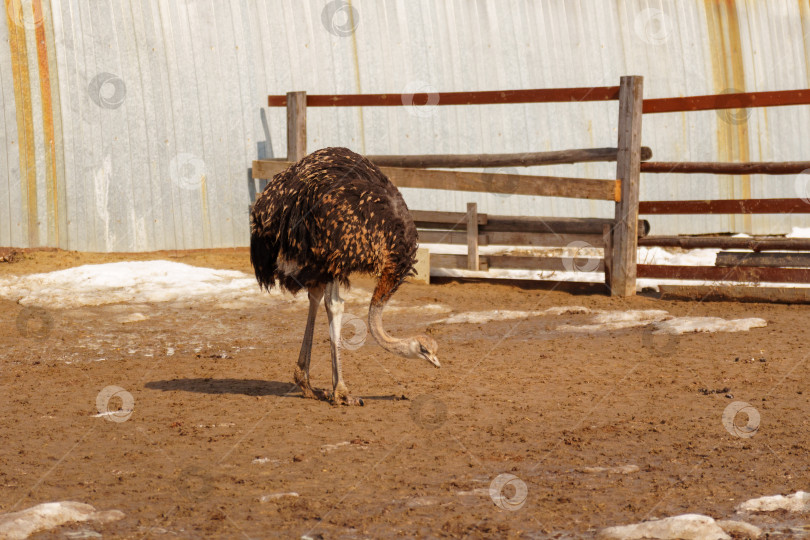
(334, 312)
(302, 369)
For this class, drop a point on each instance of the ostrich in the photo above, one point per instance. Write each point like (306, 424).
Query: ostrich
(327, 216)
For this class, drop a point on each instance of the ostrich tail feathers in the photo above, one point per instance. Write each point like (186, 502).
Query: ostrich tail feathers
(263, 256)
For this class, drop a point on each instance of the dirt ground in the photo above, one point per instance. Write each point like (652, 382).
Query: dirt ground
(216, 422)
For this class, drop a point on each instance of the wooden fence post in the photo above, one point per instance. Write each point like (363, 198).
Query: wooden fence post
(472, 236)
(296, 125)
(628, 165)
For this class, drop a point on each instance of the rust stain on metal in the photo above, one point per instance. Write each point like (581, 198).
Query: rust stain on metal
(25, 118)
(728, 75)
(47, 125)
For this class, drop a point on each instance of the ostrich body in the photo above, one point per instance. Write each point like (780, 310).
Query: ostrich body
(331, 214)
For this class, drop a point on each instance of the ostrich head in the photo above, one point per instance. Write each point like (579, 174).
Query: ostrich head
(424, 347)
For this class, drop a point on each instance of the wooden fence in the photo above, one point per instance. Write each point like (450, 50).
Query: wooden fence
(784, 265)
(617, 236)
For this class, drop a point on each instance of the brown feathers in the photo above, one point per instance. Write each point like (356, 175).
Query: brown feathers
(329, 215)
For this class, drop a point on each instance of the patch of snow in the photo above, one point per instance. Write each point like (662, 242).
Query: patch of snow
(685, 527)
(618, 320)
(276, 496)
(480, 317)
(683, 325)
(798, 502)
(329, 447)
(42, 517)
(799, 232)
(132, 317)
(620, 469)
(692, 257)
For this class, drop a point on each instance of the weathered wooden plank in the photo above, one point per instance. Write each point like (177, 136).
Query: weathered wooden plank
(525, 159)
(514, 262)
(726, 242)
(717, 273)
(296, 125)
(748, 167)
(770, 259)
(607, 236)
(728, 206)
(625, 231)
(543, 95)
(727, 101)
(510, 238)
(444, 218)
(472, 236)
(781, 295)
(547, 186)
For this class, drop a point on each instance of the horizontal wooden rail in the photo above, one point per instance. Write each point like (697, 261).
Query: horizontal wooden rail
(727, 242)
(787, 295)
(510, 238)
(717, 273)
(727, 101)
(751, 167)
(729, 206)
(493, 223)
(525, 159)
(542, 95)
(518, 262)
(770, 260)
(512, 184)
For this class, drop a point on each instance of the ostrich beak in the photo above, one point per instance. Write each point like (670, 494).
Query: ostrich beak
(433, 359)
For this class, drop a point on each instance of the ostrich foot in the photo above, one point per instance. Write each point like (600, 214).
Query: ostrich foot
(341, 397)
(306, 389)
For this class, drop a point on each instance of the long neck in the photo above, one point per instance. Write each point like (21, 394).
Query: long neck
(387, 342)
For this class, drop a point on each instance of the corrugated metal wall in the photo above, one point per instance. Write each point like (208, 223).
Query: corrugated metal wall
(131, 126)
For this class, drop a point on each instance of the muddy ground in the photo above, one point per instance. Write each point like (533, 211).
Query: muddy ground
(216, 423)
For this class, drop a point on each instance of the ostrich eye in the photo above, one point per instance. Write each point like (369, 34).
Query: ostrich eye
(422, 349)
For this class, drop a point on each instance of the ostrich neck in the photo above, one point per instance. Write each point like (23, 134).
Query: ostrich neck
(386, 341)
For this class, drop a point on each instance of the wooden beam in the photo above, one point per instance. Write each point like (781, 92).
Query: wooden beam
(625, 231)
(547, 186)
(525, 159)
(727, 242)
(781, 295)
(472, 236)
(717, 273)
(510, 239)
(728, 206)
(510, 262)
(491, 223)
(543, 95)
(296, 126)
(750, 167)
(727, 101)
(607, 236)
(442, 219)
(770, 260)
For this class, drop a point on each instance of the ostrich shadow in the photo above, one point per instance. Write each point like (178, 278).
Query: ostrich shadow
(247, 387)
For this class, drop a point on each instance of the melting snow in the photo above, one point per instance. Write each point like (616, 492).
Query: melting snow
(798, 502)
(687, 527)
(480, 317)
(682, 325)
(42, 517)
